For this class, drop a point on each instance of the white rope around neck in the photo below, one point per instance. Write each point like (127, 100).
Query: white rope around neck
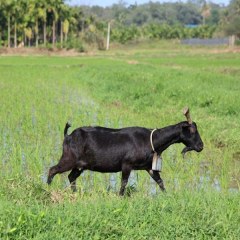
(151, 140)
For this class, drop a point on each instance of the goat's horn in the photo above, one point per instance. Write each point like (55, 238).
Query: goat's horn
(187, 114)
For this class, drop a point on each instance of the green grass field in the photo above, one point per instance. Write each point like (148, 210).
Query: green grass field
(137, 85)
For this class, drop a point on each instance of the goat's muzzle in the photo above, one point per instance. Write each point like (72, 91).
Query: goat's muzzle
(199, 147)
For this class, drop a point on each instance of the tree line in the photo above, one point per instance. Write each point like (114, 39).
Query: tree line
(41, 21)
(56, 23)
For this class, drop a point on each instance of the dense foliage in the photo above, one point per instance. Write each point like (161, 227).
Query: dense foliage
(231, 18)
(161, 31)
(55, 22)
(191, 12)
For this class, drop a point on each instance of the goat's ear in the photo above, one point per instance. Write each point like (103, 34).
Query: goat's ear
(187, 126)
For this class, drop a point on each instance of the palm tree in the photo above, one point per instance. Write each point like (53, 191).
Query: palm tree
(2, 20)
(19, 15)
(7, 6)
(40, 13)
(66, 29)
(23, 18)
(231, 19)
(37, 13)
(206, 11)
(55, 18)
(54, 8)
(65, 18)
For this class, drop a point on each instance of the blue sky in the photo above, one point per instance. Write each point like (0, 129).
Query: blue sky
(105, 3)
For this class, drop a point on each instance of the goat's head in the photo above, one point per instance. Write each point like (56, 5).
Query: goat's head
(189, 135)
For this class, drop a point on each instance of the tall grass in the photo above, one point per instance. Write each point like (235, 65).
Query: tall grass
(141, 87)
(185, 215)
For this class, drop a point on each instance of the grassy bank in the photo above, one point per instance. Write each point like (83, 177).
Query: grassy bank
(184, 215)
(145, 86)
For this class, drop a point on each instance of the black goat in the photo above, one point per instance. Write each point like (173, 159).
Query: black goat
(114, 150)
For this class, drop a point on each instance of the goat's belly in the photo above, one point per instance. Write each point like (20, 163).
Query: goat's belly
(101, 165)
(105, 169)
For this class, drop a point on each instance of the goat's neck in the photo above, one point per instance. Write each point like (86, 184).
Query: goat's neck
(164, 137)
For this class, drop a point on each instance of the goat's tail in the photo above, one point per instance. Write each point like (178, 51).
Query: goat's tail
(67, 126)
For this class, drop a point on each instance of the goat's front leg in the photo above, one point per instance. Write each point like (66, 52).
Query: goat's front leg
(125, 175)
(156, 176)
(73, 175)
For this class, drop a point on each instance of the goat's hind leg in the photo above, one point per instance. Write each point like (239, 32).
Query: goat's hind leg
(156, 176)
(59, 168)
(52, 172)
(74, 174)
